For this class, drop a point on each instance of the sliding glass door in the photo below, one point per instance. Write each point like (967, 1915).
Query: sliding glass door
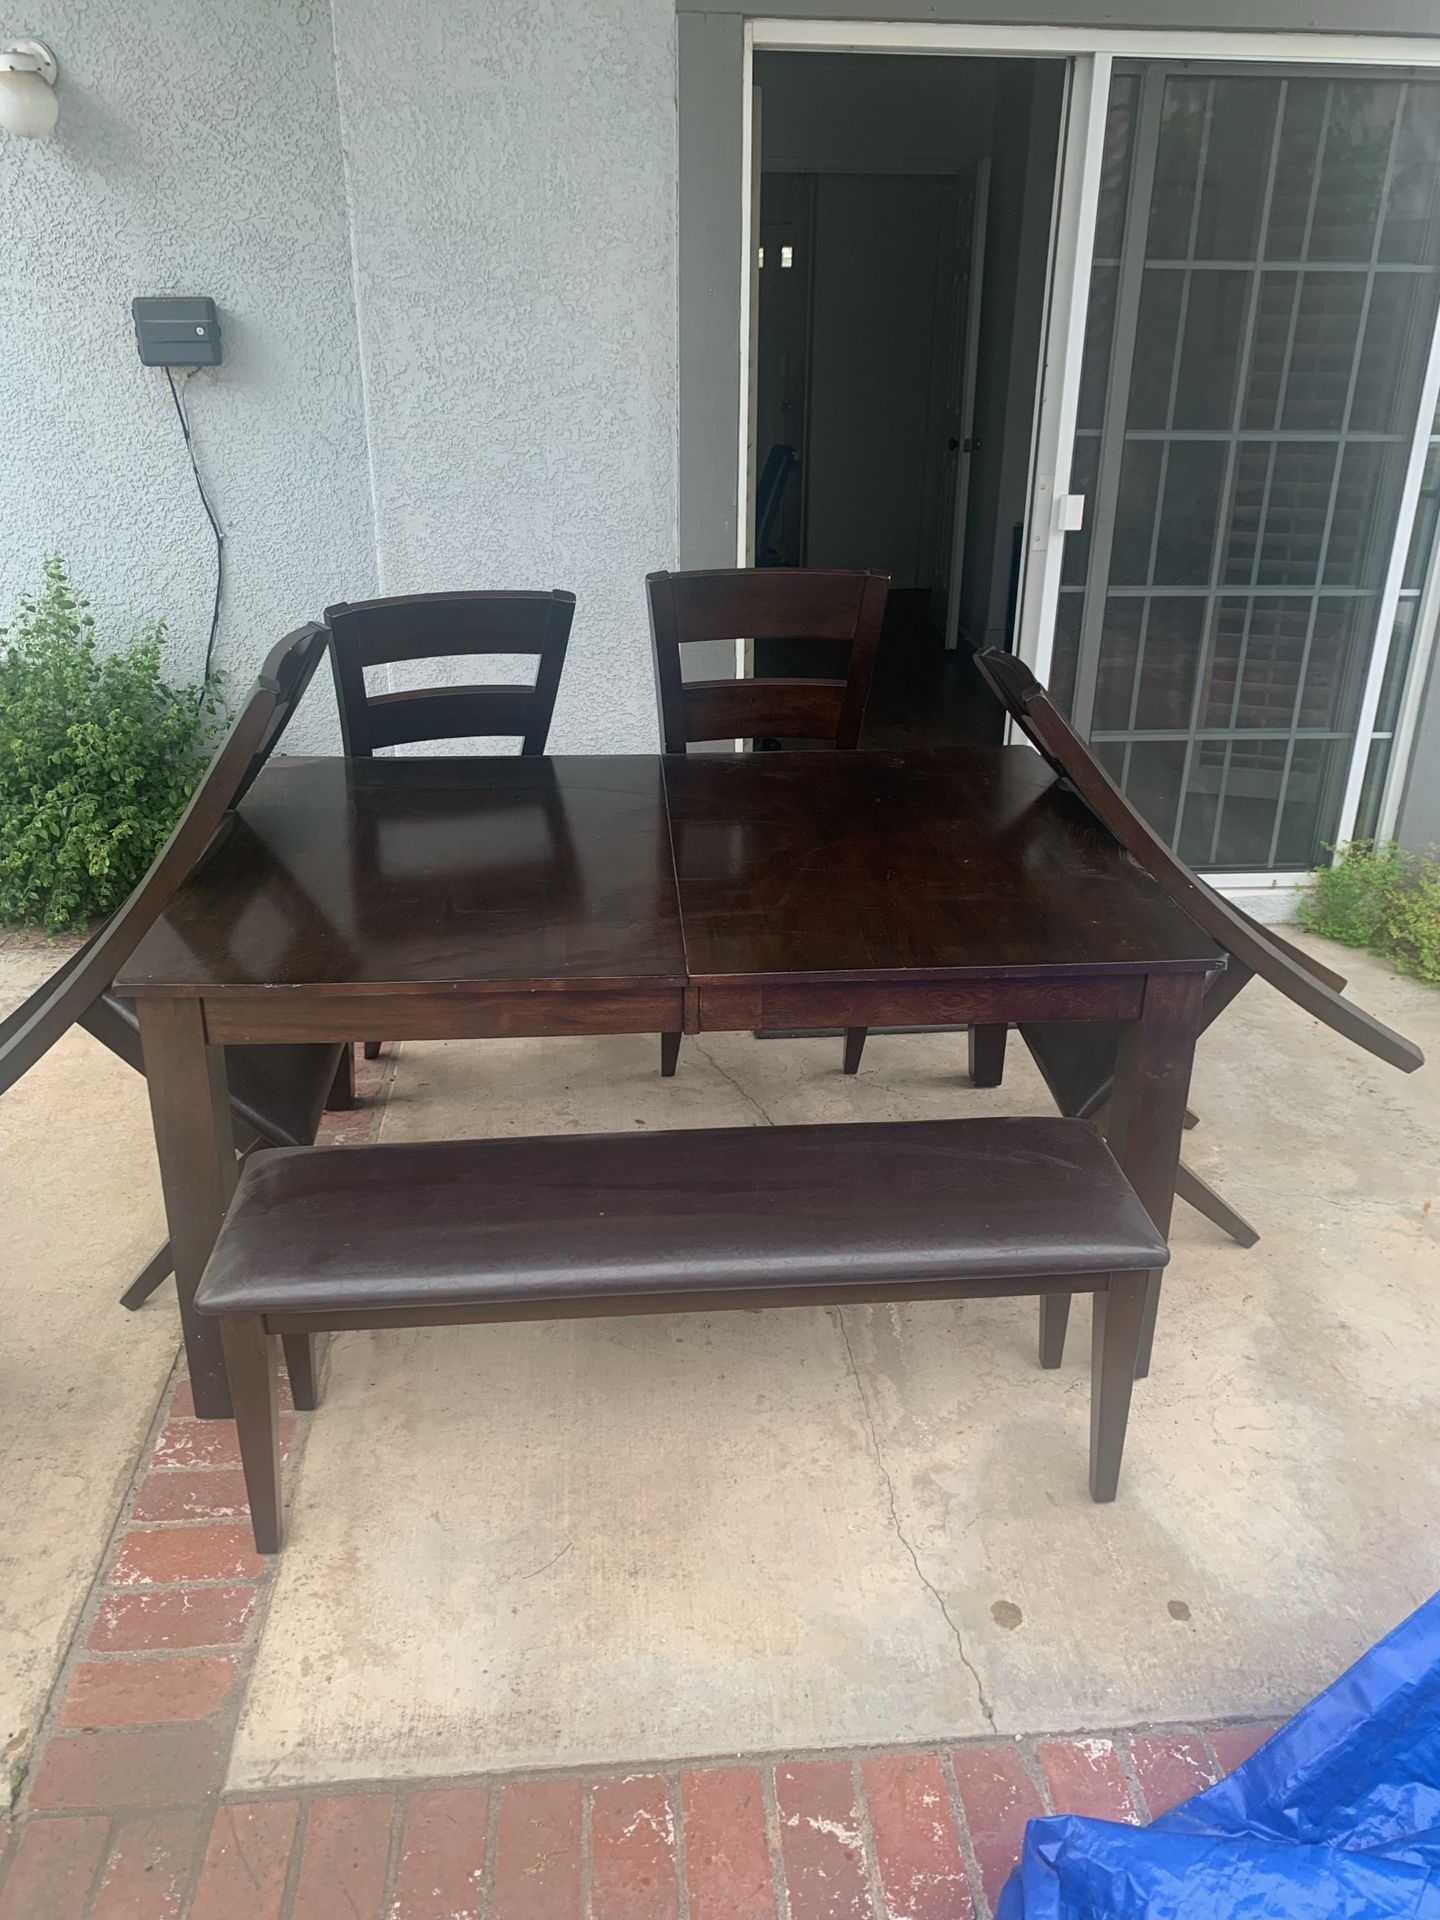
(1262, 314)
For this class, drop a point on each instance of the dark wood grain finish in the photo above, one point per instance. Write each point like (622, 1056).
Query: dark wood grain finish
(764, 603)
(189, 1109)
(389, 879)
(453, 898)
(1305, 981)
(799, 867)
(434, 626)
(1079, 1063)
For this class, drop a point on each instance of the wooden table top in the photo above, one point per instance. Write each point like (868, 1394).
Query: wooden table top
(408, 875)
(962, 861)
(404, 874)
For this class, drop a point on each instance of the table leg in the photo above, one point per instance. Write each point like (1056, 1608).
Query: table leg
(1147, 1109)
(190, 1111)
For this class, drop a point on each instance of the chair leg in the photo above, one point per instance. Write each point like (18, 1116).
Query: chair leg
(1199, 1194)
(1054, 1319)
(156, 1270)
(250, 1365)
(300, 1364)
(372, 1049)
(987, 1055)
(669, 1054)
(1119, 1311)
(341, 1097)
(1148, 1317)
(854, 1047)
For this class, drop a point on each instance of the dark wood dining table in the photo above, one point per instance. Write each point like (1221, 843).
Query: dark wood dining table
(453, 898)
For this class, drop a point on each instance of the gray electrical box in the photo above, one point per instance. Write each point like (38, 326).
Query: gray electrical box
(174, 332)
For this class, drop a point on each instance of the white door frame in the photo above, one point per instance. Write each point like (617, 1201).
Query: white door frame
(970, 366)
(1091, 53)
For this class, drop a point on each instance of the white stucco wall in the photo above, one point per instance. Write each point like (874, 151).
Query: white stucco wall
(444, 253)
(512, 176)
(197, 152)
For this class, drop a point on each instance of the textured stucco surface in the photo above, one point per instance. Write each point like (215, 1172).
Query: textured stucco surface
(197, 152)
(514, 237)
(490, 212)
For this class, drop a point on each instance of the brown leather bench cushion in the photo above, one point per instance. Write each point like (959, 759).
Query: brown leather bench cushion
(486, 1221)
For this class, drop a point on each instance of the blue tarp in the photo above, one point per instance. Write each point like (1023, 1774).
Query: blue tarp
(1337, 1816)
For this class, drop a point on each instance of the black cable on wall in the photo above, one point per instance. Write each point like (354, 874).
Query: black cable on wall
(214, 528)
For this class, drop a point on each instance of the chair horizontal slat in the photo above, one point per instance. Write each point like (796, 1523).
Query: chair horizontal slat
(765, 603)
(750, 709)
(439, 625)
(449, 713)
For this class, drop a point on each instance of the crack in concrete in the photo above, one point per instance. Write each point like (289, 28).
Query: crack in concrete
(900, 1534)
(724, 1074)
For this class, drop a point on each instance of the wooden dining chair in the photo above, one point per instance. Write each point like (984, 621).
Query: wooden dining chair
(444, 626)
(277, 1094)
(764, 603)
(1077, 1059)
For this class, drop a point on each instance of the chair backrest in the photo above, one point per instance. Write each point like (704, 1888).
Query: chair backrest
(764, 603)
(1257, 948)
(433, 626)
(34, 1027)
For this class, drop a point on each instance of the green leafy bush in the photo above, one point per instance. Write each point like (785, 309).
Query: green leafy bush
(98, 756)
(1380, 897)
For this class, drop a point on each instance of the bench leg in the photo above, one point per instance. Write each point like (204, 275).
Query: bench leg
(669, 1054)
(341, 1097)
(1054, 1318)
(987, 1055)
(1119, 1321)
(854, 1047)
(250, 1364)
(372, 1049)
(300, 1364)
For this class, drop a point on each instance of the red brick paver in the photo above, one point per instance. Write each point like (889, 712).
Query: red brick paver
(441, 1873)
(247, 1859)
(52, 1868)
(192, 1493)
(632, 1850)
(998, 1796)
(822, 1842)
(1084, 1777)
(123, 1767)
(1232, 1745)
(172, 1618)
(1169, 1768)
(345, 1857)
(148, 1869)
(537, 1866)
(728, 1873)
(917, 1849)
(165, 1556)
(131, 1693)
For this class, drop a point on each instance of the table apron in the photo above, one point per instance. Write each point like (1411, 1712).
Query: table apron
(281, 1017)
(726, 1008)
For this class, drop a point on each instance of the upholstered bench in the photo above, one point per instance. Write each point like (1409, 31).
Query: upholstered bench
(456, 1231)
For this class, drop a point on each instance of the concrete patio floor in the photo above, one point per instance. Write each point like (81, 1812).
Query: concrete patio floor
(576, 1545)
(80, 1214)
(585, 1542)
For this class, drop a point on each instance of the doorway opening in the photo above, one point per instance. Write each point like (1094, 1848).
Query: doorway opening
(902, 254)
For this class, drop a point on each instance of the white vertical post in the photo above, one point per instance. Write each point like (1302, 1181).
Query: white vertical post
(1077, 205)
(1390, 594)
